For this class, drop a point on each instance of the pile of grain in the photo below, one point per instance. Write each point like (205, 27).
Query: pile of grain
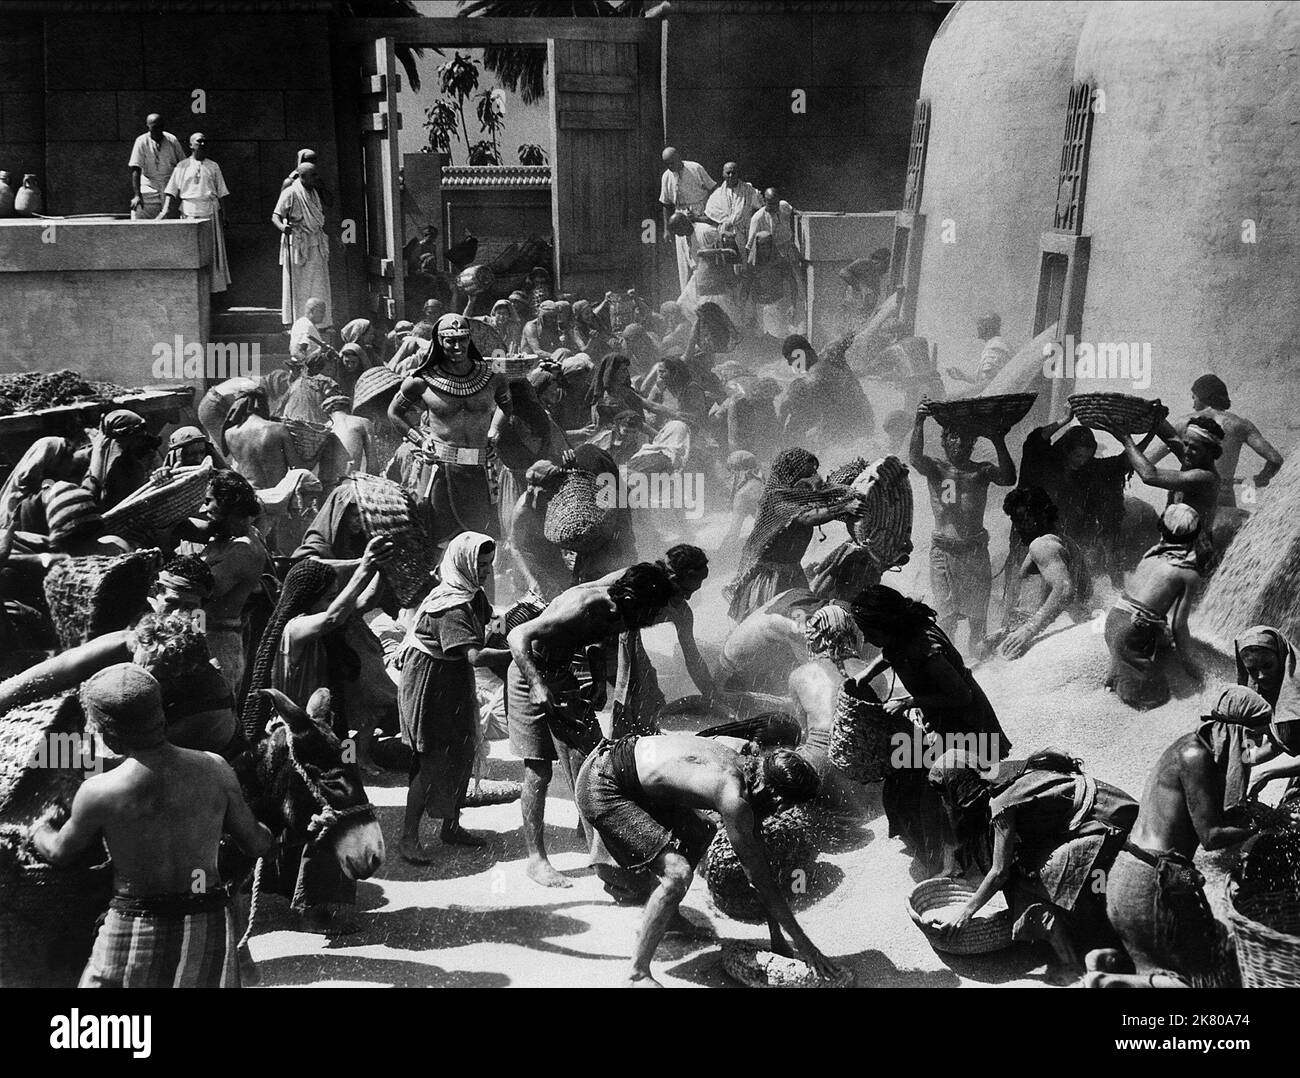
(1255, 582)
(31, 391)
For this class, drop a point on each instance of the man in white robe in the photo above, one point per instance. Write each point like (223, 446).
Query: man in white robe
(778, 282)
(154, 157)
(304, 246)
(685, 187)
(198, 187)
(731, 206)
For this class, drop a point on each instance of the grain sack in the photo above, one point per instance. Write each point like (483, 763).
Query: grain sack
(41, 763)
(388, 509)
(91, 596)
(791, 845)
(860, 738)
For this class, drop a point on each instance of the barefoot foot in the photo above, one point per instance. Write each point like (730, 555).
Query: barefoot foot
(544, 873)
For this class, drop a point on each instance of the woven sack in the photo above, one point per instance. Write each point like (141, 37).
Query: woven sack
(574, 519)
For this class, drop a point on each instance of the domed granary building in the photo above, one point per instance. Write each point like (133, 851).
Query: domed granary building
(1131, 175)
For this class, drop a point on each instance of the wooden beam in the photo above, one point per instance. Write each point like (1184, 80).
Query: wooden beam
(620, 120)
(571, 82)
(482, 32)
(379, 267)
(378, 84)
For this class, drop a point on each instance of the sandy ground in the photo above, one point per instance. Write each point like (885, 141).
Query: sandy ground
(475, 919)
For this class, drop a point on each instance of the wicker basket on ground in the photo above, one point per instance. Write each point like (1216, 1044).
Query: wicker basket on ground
(308, 437)
(789, 838)
(386, 509)
(161, 504)
(1264, 910)
(575, 518)
(91, 596)
(1133, 415)
(885, 527)
(989, 930)
(860, 738)
(983, 415)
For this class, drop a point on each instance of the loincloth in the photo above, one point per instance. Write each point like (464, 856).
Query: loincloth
(961, 575)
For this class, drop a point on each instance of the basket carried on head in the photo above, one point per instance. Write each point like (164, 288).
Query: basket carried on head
(91, 596)
(387, 509)
(1264, 910)
(860, 738)
(989, 930)
(576, 519)
(513, 366)
(1133, 415)
(487, 339)
(885, 527)
(374, 390)
(160, 504)
(983, 415)
(789, 841)
(308, 437)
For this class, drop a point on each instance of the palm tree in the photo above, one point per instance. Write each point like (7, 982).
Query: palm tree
(521, 69)
(390, 9)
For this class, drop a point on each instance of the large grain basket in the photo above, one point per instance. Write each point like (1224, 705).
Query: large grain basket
(791, 846)
(47, 920)
(374, 391)
(1133, 415)
(1266, 928)
(575, 519)
(885, 527)
(91, 596)
(308, 437)
(160, 504)
(983, 415)
(860, 738)
(41, 761)
(989, 930)
(386, 509)
(516, 365)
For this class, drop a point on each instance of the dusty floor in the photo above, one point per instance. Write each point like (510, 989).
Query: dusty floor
(475, 919)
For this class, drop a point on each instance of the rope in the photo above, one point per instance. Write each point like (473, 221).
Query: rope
(253, 902)
(328, 817)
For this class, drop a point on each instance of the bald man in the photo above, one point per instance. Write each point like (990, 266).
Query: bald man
(197, 187)
(154, 156)
(304, 246)
(685, 187)
(732, 204)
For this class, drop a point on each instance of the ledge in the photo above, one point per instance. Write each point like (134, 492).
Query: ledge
(27, 245)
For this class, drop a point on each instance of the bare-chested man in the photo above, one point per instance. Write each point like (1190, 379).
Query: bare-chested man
(961, 574)
(642, 794)
(457, 392)
(1055, 559)
(834, 653)
(234, 551)
(1166, 579)
(1197, 482)
(259, 448)
(355, 434)
(162, 813)
(1210, 399)
(546, 715)
(1155, 897)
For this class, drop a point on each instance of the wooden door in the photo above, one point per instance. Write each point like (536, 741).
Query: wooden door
(598, 172)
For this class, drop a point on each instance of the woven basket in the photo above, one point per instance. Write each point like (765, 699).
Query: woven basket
(885, 527)
(983, 415)
(492, 792)
(31, 780)
(989, 930)
(845, 474)
(790, 843)
(374, 389)
(513, 366)
(160, 504)
(574, 519)
(386, 509)
(487, 339)
(308, 437)
(1133, 415)
(91, 596)
(860, 739)
(47, 921)
(1266, 928)
(756, 967)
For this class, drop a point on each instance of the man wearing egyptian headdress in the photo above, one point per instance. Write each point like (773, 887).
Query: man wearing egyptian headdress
(455, 394)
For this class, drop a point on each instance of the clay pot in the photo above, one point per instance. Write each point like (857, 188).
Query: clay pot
(6, 194)
(28, 199)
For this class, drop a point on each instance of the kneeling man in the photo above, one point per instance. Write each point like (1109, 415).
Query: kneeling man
(642, 794)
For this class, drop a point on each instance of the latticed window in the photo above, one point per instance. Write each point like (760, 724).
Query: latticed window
(1074, 160)
(916, 157)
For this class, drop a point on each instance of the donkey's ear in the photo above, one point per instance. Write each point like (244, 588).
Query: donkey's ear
(294, 715)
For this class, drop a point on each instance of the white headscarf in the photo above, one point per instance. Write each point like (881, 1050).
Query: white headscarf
(458, 574)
